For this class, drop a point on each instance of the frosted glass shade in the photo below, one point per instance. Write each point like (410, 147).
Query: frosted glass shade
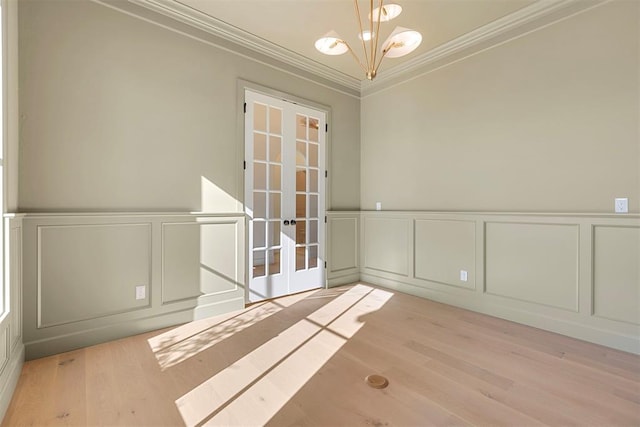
(401, 42)
(388, 12)
(331, 44)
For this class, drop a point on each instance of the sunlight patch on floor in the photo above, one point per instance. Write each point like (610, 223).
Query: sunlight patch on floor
(253, 389)
(181, 343)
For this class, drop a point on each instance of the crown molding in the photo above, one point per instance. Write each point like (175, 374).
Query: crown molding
(501, 26)
(476, 38)
(219, 28)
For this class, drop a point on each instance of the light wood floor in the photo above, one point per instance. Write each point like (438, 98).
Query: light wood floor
(302, 360)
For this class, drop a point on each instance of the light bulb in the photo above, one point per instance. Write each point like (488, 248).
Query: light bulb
(366, 35)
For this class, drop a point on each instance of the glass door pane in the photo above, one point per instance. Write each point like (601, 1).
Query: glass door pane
(266, 200)
(307, 194)
(284, 183)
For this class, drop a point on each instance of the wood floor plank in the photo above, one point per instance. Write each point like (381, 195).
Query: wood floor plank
(69, 404)
(103, 397)
(598, 357)
(31, 403)
(542, 370)
(339, 388)
(445, 365)
(503, 345)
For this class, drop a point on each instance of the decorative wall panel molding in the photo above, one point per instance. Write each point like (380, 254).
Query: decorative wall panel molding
(90, 278)
(88, 271)
(11, 347)
(564, 273)
(14, 276)
(195, 264)
(385, 244)
(575, 274)
(616, 273)
(344, 248)
(533, 262)
(343, 245)
(445, 252)
(4, 348)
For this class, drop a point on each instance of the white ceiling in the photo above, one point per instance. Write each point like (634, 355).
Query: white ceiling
(296, 24)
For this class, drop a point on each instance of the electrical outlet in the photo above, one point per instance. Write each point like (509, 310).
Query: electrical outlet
(622, 205)
(378, 206)
(463, 275)
(141, 292)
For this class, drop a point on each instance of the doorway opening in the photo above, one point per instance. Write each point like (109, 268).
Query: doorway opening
(285, 148)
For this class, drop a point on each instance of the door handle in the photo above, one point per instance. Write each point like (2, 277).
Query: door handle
(286, 222)
(293, 222)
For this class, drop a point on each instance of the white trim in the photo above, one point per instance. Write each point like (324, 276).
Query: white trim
(568, 327)
(11, 375)
(343, 280)
(243, 38)
(120, 7)
(97, 214)
(500, 26)
(475, 38)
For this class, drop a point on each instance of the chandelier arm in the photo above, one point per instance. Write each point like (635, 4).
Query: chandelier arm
(384, 53)
(364, 47)
(355, 56)
(371, 42)
(375, 50)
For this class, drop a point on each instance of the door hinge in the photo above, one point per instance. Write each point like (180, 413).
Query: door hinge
(244, 165)
(245, 107)
(326, 174)
(326, 127)
(325, 264)
(325, 219)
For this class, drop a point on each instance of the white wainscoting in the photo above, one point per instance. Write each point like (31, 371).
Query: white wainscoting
(81, 273)
(343, 255)
(86, 271)
(11, 347)
(574, 274)
(533, 262)
(616, 267)
(443, 248)
(196, 263)
(386, 245)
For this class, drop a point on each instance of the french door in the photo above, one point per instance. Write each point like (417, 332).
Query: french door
(284, 196)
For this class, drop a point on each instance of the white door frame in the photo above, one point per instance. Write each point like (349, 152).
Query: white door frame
(243, 87)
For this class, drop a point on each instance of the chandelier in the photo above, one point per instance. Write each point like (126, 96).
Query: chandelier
(402, 41)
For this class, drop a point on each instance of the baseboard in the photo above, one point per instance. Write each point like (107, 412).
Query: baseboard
(87, 337)
(161, 251)
(202, 311)
(343, 280)
(12, 371)
(593, 334)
